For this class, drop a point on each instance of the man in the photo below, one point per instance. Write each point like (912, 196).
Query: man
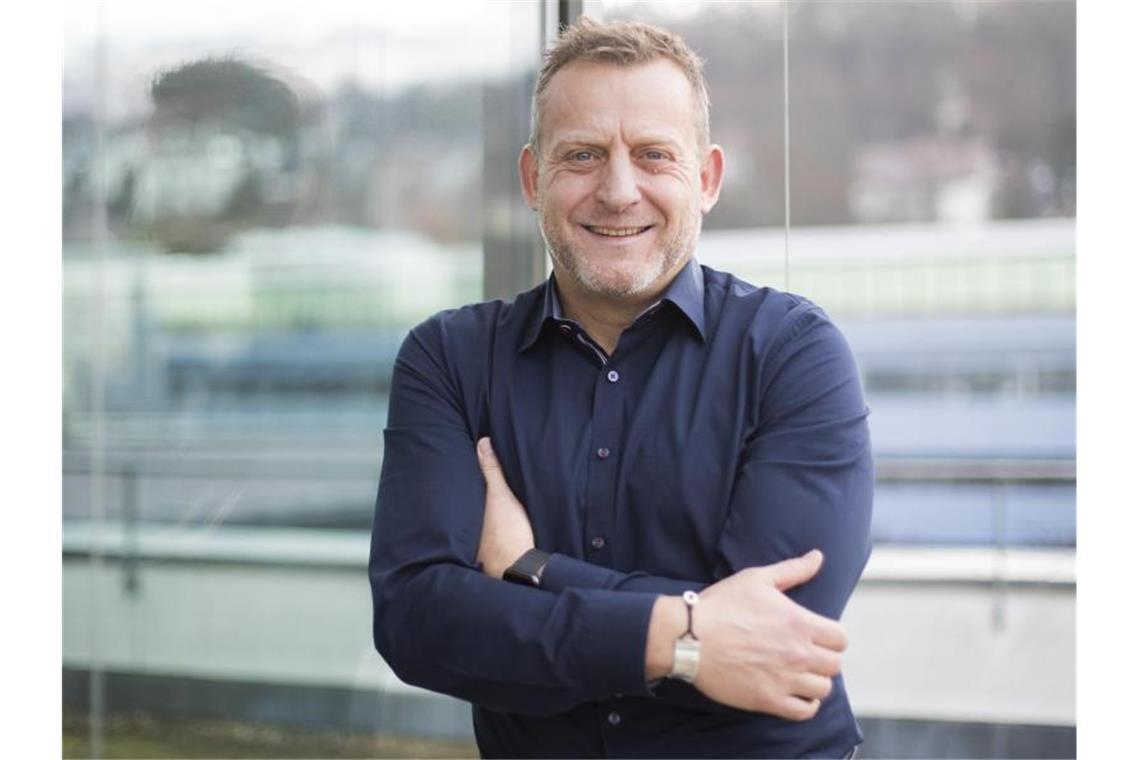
(683, 443)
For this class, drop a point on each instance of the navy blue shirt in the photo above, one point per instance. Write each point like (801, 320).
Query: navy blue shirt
(726, 430)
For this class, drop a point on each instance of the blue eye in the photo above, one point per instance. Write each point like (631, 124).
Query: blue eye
(581, 155)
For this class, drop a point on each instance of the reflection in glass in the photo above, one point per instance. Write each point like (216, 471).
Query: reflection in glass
(285, 193)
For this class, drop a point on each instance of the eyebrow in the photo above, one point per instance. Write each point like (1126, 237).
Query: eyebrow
(588, 140)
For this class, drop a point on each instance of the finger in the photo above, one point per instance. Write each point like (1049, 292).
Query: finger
(795, 708)
(489, 462)
(792, 572)
(824, 662)
(811, 686)
(827, 633)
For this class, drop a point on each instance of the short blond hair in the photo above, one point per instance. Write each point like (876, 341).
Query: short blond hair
(621, 43)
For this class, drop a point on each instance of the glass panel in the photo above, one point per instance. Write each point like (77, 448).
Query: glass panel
(949, 252)
(259, 201)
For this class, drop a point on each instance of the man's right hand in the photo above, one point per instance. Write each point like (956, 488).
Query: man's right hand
(760, 651)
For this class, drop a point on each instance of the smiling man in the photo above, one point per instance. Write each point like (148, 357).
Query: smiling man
(620, 176)
(622, 513)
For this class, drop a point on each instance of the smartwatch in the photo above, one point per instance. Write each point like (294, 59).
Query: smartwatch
(527, 569)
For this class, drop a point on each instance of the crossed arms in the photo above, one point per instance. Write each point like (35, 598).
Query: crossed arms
(762, 651)
(770, 642)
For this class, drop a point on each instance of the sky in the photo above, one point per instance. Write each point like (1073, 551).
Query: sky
(381, 46)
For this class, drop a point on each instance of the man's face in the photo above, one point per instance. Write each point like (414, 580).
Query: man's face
(621, 181)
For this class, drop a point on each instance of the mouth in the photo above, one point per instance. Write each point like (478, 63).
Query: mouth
(617, 232)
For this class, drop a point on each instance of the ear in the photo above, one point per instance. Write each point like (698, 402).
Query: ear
(712, 175)
(528, 176)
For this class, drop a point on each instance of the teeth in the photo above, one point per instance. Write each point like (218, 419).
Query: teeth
(617, 231)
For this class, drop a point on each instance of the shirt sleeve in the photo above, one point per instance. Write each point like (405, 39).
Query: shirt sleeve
(805, 482)
(806, 479)
(442, 624)
(563, 572)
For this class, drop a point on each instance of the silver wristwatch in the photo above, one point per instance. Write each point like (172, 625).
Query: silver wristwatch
(687, 649)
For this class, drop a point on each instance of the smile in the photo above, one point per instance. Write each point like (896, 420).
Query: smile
(617, 232)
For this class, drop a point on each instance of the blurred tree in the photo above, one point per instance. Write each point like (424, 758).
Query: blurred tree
(961, 78)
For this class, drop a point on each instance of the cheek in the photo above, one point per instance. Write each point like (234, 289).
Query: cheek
(675, 199)
(564, 193)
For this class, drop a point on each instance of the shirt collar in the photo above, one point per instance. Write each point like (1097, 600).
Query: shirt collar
(686, 292)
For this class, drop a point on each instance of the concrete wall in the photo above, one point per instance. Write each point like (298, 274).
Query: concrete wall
(976, 644)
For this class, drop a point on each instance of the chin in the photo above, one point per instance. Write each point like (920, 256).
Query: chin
(612, 274)
(620, 284)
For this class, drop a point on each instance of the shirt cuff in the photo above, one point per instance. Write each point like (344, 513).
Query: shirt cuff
(612, 633)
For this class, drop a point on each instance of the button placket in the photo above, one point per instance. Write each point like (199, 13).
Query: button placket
(602, 475)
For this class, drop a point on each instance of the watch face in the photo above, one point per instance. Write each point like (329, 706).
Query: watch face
(686, 659)
(516, 575)
(528, 568)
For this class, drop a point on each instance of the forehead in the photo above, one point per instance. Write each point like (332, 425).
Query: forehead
(605, 99)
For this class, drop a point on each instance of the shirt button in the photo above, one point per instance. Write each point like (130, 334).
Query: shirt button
(613, 718)
(613, 376)
(603, 452)
(565, 328)
(597, 542)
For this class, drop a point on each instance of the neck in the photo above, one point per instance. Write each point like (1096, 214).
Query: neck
(603, 318)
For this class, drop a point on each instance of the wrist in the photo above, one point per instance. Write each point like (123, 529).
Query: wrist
(497, 566)
(667, 622)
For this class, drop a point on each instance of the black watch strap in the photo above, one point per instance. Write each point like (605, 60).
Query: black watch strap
(527, 569)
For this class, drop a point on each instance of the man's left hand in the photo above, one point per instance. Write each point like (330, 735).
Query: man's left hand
(507, 534)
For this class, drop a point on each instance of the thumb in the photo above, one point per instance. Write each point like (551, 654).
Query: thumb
(488, 462)
(792, 572)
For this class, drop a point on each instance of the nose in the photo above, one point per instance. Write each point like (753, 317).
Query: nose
(618, 187)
